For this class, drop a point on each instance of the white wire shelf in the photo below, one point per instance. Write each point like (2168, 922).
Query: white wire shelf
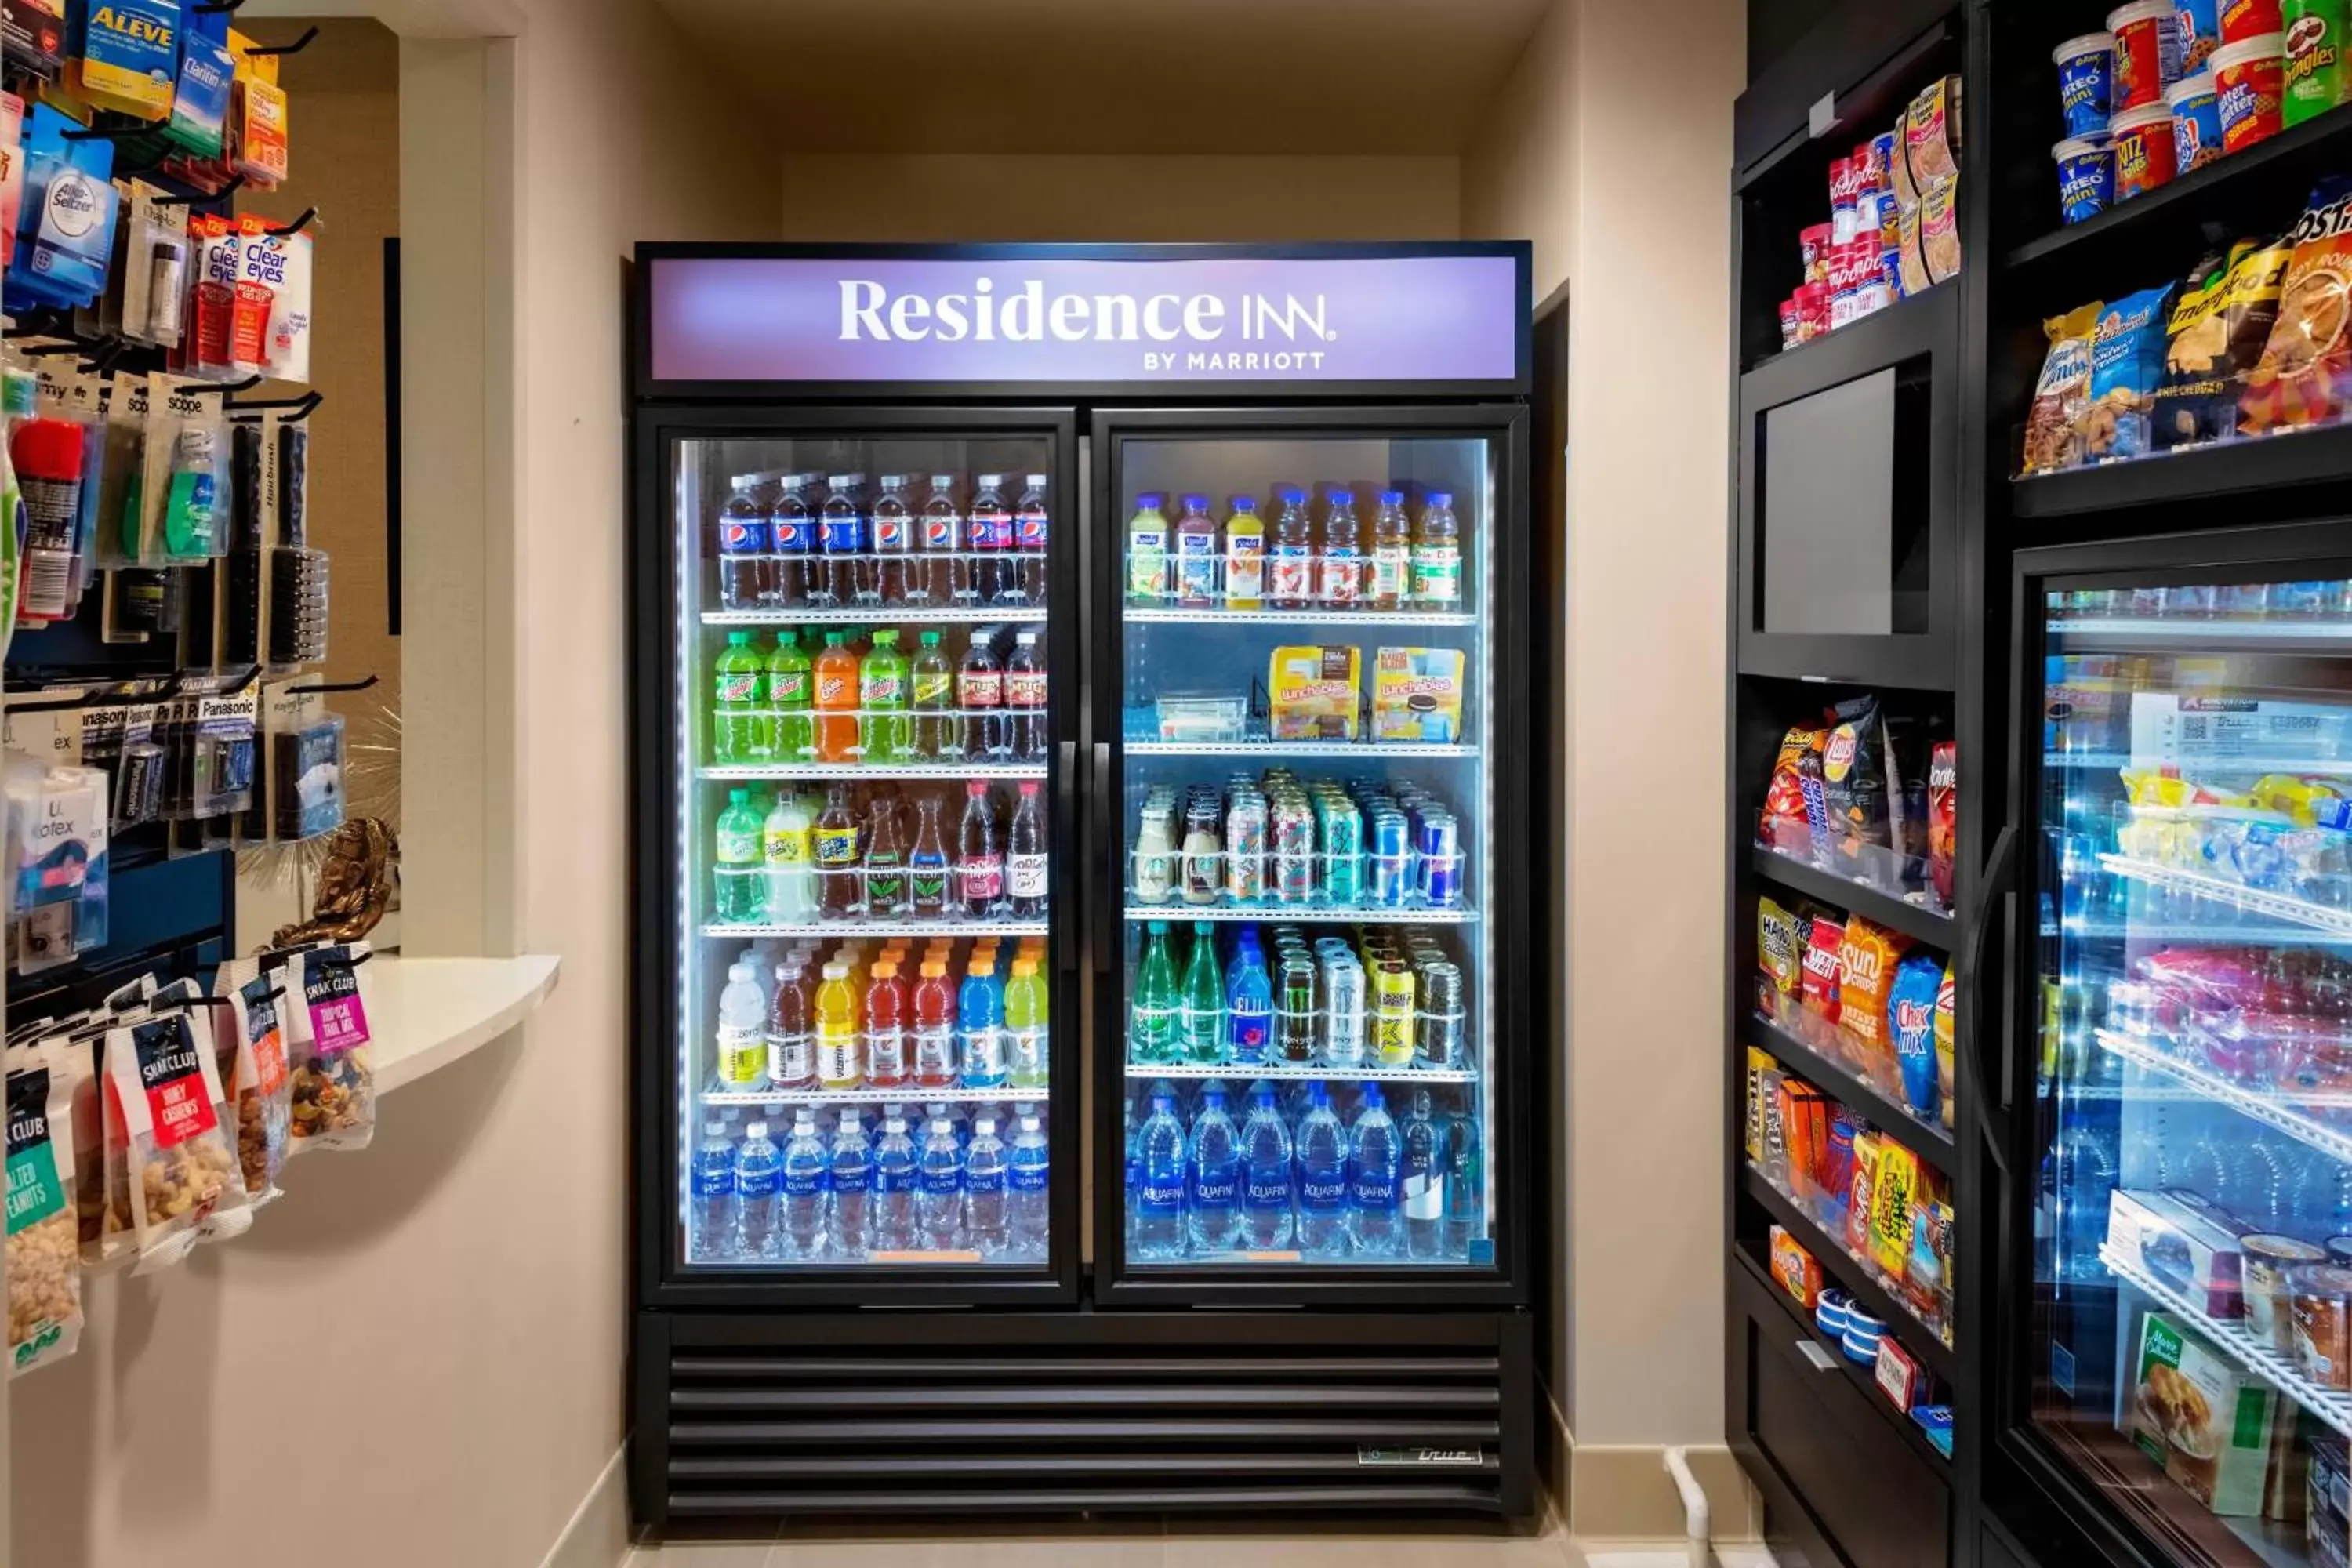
(2130, 929)
(910, 1095)
(884, 616)
(2160, 633)
(745, 772)
(2202, 763)
(2253, 901)
(1311, 617)
(1247, 1072)
(1178, 912)
(858, 925)
(2331, 1407)
(2212, 1086)
(1142, 739)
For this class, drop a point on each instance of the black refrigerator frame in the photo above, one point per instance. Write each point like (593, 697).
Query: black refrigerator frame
(1437, 1376)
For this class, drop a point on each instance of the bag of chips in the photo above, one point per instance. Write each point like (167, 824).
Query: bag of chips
(1777, 939)
(1944, 1000)
(2217, 331)
(328, 1043)
(2305, 374)
(1784, 825)
(1854, 782)
(44, 1315)
(166, 1114)
(2126, 364)
(2051, 441)
(1825, 935)
(1911, 1027)
(1867, 957)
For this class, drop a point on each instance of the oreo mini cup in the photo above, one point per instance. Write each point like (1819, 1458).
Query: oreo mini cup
(2086, 78)
(2086, 177)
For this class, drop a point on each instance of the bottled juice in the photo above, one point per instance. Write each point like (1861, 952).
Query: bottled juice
(1391, 560)
(937, 735)
(1147, 550)
(934, 1007)
(1290, 569)
(1339, 580)
(1244, 556)
(1196, 555)
(839, 866)
(885, 1027)
(837, 1063)
(1437, 556)
(836, 701)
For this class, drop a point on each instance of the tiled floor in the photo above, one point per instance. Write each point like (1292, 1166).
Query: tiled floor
(1189, 1545)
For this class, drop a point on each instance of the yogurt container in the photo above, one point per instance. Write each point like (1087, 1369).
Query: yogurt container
(2147, 52)
(2086, 177)
(2086, 78)
(2201, 32)
(2244, 19)
(2318, 79)
(2143, 145)
(2196, 121)
(2269, 1264)
(2250, 79)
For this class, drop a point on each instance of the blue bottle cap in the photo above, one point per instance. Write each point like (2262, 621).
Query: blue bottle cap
(1150, 501)
(1244, 503)
(1392, 497)
(1290, 494)
(1441, 498)
(1196, 503)
(1343, 498)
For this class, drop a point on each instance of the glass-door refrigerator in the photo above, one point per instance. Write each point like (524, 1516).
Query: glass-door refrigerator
(2176, 1084)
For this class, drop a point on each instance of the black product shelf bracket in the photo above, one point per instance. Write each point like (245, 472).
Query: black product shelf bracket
(320, 687)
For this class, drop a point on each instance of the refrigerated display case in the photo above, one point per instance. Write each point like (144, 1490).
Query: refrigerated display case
(879, 494)
(2185, 1024)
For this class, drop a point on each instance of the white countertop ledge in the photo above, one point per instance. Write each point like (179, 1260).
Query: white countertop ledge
(426, 1013)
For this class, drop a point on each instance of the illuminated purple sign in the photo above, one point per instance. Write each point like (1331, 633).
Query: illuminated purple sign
(1084, 321)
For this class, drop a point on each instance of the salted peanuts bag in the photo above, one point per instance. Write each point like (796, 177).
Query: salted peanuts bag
(2305, 376)
(44, 1315)
(329, 1044)
(166, 1113)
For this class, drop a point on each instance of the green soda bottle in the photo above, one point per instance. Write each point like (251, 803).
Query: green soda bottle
(1151, 1026)
(882, 696)
(739, 874)
(791, 691)
(1204, 1007)
(739, 732)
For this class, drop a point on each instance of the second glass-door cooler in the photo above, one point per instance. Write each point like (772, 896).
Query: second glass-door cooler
(1303, 673)
(2182, 1029)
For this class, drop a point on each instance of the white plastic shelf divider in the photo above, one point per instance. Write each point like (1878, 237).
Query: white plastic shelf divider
(1245, 1072)
(910, 1094)
(743, 771)
(876, 616)
(426, 1013)
(1179, 914)
(2334, 1408)
(1154, 614)
(2253, 901)
(2212, 1086)
(859, 925)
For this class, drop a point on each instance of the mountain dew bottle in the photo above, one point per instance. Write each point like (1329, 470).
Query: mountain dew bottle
(882, 694)
(790, 688)
(741, 728)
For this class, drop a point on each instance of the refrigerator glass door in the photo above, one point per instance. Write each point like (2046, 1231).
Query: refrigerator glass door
(865, 931)
(2192, 1341)
(1305, 805)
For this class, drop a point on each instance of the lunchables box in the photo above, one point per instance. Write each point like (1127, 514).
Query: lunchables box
(1417, 694)
(1314, 693)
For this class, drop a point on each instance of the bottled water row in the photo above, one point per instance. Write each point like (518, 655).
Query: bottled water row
(864, 1186)
(1301, 1178)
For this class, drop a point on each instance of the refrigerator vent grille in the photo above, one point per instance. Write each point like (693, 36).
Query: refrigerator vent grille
(980, 1428)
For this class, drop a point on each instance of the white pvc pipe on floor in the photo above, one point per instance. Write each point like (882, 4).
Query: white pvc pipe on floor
(1695, 1519)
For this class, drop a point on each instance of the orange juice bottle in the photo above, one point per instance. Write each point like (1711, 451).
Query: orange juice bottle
(838, 1063)
(836, 701)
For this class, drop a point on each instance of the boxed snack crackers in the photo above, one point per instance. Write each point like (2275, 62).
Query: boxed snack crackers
(2197, 1415)
(1797, 1270)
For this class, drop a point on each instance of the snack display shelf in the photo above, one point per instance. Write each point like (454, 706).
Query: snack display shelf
(1157, 615)
(1314, 912)
(2317, 456)
(745, 772)
(2280, 1372)
(1853, 1275)
(905, 1094)
(1301, 1072)
(878, 616)
(1864, 1377)
(2115, 761)
(2252, 901)
(1932, 1142)
(2211, 1085)
(1917, 921)
(2178, 634)
(858, 925)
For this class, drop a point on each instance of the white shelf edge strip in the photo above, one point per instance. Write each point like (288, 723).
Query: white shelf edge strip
(2272, 1368)
(908, 1094)
(2279, 906)
(1245, 1072)
(2215, 1088)
(426, 1013)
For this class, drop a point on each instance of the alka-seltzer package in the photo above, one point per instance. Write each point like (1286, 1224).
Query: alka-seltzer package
(178, 1175)
(331, 1042)
(67, 225)
(44, 1247)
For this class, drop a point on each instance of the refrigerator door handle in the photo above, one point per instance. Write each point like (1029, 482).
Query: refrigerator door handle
(1068, 888)
(1993, 907)
(1098, 857)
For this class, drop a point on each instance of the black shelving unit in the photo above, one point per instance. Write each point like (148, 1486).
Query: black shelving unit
(1932, 1143)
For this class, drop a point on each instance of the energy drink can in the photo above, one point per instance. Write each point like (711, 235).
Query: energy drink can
(1343, 853)
(1294, 1011)
(1441, 861)
(1293, 850)
(1246, 847)
(1442, 1018)
(1392, 1021)
(1388, 880)
(1343, 1013)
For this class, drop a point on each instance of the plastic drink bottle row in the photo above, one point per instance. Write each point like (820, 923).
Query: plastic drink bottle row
(1340, 563)
(862, 700)
(790, 540)
(803, 857)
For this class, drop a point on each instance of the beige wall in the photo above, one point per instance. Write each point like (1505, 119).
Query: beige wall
(416, 1356)
(947, 198)
(1624, 196)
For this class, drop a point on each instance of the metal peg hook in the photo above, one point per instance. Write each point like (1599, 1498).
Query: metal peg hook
(297, 227)
(248, 384)
(302, 407)
(296, 47)
(328, 686)
(235, 184)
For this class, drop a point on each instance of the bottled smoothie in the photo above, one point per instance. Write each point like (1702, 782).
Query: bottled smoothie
(1392, 562)
(1196, 555)
(1340, 580)
(1244, 556)
(1147, 550)
(1290, 569)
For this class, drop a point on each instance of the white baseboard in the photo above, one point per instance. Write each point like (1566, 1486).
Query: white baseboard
(598, 1533)
(1623, 1496)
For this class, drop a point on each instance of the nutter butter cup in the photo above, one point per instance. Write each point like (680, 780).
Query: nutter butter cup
(2250, 78)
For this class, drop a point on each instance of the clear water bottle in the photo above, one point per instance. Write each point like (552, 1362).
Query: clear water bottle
(713, 1182)
(1466, 1201)
(1322, 1147)
(1028, 1201)
(1265, 1174)
(939, 1201)
(1134, 1169)
(1160, 1179)
(759, 1179)
(898, 1179)
(1375, 1161)
(987, 1218)
(1213, 1172)
(849, 1180)
(1424, 1177)
(803, 1187)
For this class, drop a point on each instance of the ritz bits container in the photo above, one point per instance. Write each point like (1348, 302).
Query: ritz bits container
(2196, 122)
(2086, 78)
(2147, 52)
(2144, 150)
(2250, 80)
